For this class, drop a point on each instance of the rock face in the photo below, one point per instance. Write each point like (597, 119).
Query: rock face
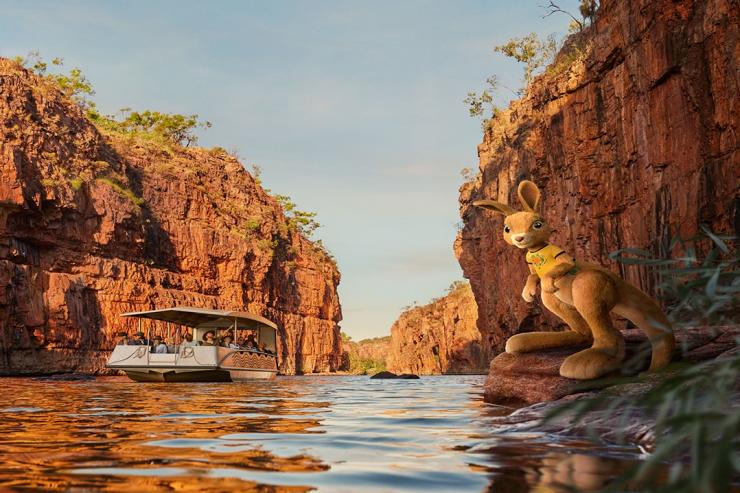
(366, 352)
(631, 143)
(439, 338)
(92, 226)
(534, 377)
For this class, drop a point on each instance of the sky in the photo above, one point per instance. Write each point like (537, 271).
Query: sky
(352, 108)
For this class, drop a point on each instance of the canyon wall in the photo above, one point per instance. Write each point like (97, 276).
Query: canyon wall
(96, 224)
(365, 356)
(439, 338)
(632, 141)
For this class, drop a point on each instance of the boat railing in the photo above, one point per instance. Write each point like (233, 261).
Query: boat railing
(206, 356)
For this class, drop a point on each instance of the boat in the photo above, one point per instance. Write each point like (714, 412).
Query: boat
(199, 363)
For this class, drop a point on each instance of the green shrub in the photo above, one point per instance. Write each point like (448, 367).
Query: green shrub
(121, 189)
(166, 128)
(533, 52)
(73, 84)
(76, 183)
(297, 219)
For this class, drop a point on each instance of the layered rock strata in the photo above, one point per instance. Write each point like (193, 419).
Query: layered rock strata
(93, 225)
(632, 135)
(439, 338)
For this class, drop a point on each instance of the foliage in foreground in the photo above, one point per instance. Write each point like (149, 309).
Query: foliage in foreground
(695, 408)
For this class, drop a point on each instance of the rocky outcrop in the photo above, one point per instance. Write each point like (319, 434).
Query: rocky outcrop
(440, 337)
(534, 377)
(94, 225)
(375, 349)
(633, 142)
(388, 375)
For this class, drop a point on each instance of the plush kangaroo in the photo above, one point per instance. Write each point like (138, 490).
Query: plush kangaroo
(581, 294)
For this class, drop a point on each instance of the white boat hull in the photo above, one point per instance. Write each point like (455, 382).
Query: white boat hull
(193, 364)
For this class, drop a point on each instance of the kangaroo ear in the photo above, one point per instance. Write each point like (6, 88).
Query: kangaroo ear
(529, 196)
(494, 206)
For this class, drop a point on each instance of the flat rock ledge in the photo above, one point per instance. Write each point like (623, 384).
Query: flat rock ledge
(531, 378)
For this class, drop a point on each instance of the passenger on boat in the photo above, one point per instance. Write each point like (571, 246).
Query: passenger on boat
(228, 341)
(262, 348)
(189, 342)
(159, 346)
(140, 340)
(208, 338)
(251, 341)
(123, 339)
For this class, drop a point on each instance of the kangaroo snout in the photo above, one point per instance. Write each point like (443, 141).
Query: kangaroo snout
(519, 238)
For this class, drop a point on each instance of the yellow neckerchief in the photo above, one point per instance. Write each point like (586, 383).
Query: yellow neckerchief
(543, 260)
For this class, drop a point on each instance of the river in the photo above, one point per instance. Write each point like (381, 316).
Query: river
(331, 433)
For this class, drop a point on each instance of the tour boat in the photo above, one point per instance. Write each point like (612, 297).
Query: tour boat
(199, 363)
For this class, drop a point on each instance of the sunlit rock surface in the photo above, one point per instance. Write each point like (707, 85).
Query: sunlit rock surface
(631, 144)
(93, 226)
(534, 377)
(439, 338)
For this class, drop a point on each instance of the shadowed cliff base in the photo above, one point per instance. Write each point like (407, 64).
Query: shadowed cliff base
(94, 223)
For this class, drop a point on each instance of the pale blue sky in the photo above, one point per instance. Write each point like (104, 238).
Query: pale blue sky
(352, 108)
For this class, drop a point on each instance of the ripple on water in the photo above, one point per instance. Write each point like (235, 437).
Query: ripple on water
(296, 433)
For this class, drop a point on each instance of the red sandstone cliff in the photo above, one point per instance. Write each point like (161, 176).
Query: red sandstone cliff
(635, 142)
(92, 226)
(440, 337)
(365, 356)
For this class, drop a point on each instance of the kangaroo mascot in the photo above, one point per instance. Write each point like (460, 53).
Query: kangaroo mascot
(581, 294)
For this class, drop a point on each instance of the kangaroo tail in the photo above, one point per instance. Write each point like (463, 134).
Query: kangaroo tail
(640, 309)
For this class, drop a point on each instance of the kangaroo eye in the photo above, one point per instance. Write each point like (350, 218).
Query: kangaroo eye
(537, 224)
(507, 229)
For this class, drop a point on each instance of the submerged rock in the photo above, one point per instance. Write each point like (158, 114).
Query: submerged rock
(534, 377)
(390, 375)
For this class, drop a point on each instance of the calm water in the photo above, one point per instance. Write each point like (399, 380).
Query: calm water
(293, 434)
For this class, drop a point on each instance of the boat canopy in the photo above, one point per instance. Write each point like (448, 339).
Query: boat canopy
(204, 318)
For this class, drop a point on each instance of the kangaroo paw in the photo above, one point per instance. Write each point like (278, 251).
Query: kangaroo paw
(590, 363)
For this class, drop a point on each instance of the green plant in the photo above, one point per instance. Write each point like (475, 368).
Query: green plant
(252, 224)
(73, 84)
(171, 128)
(534, 52)
(365, 366)
(121, 189)
(694, 408)
(297, 219)
(76, 183)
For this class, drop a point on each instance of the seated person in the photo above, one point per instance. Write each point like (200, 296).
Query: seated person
(159, 346)
(251, 340)
(262, 348)
(123, 339)
(188, 341)
(140, 340)
(208, 338)
(228, 341)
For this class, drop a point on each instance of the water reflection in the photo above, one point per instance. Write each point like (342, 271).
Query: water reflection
(293, 434)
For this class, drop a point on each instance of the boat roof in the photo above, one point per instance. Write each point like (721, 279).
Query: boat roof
(205, 318)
